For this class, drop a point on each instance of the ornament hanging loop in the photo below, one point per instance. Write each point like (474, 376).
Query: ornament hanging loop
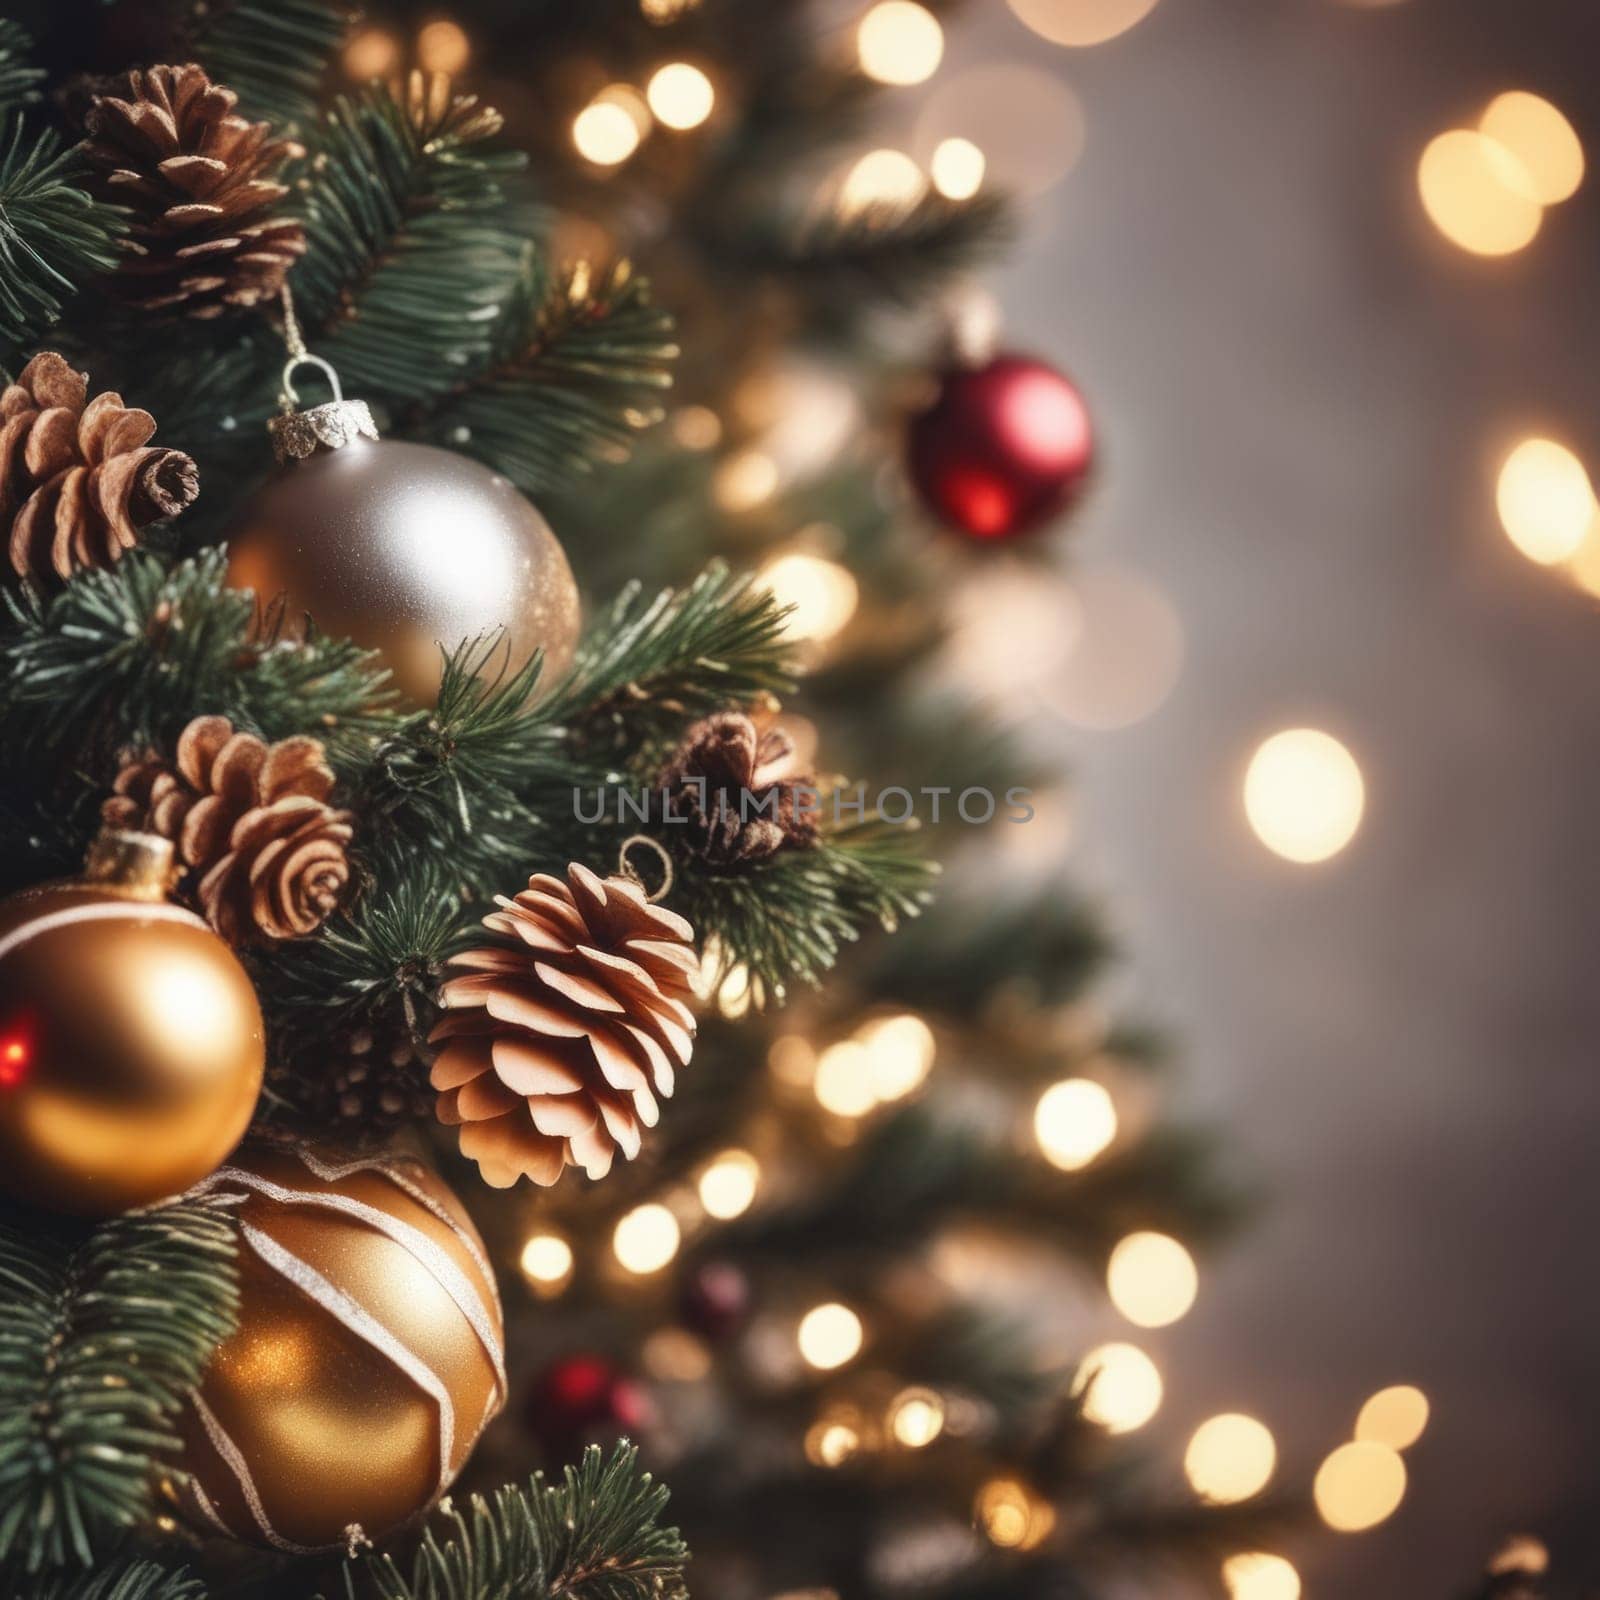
(629, 871)
(289, 396)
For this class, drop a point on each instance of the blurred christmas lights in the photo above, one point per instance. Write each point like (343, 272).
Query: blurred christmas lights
(1549, 161)
(829, 1335)
(680, 95)
(1359, 1486)
(1080, 23)
(728, 1185)
(605, 133)
(1304, 795)
(1395, 1417)
(646, 1239)
(957, 168)
(900, 1052)
(1230, 1458)
(372, 53)
(1012, 1516)
(1028, 124)
(1546, 501)
(443, 46)
(822, 594)
(916, 1418)
(1074, 1122)
(1124, 656)
(1120, 1387)
(1152, 1280)
(546, 1262)
(843, 1082)
(882, 178)
(745, 480)
(899, 42)
(1254, 1575)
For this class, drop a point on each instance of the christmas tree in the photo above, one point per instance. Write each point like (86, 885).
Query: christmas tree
(604, 308)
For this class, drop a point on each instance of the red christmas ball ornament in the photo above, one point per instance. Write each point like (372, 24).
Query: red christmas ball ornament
(587, 1399)
(1004, 447)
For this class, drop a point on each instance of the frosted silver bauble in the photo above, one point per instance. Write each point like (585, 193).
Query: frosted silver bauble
(404, 548)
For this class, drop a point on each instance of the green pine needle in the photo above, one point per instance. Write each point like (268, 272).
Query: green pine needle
(595, 1536)
(102, 1335)
(274, 54)
(130, 1579)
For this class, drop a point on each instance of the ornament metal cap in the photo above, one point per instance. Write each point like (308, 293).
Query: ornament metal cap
(138, 865)
(297, 434)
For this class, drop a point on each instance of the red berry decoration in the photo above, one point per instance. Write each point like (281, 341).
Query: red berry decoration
(587, 1399)
(1003, 449)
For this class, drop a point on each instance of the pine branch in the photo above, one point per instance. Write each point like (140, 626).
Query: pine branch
(849, 263)
(102, 1335)
(274, 54)
(53, 237)
(596, 1536)
(19, 78)
(414, 249)
(576, 371)
(786, 919)
(130, 1579)
(645, 668)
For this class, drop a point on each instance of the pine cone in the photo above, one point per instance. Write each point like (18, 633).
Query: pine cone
(722, 782)
(378, 1080)
(560, 1039)
(167, 144)
(78, 478)
(251, 822)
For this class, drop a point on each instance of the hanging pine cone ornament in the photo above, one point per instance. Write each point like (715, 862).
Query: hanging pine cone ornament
(199, 180)
(723, 783)
(265, 852)
(78, 477)
(559, 1040)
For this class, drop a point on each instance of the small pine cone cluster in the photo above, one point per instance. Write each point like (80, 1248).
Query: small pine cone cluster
(199, 182)
(378, 1079)
(723, 783)
(79, 477)
(558, 1041)
(265, 852)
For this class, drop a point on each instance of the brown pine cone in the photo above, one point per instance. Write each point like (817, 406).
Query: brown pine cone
(78, 477)
(377, 1079)
(252, 823)
(198, 179)
(722, 781)
(559, 1040)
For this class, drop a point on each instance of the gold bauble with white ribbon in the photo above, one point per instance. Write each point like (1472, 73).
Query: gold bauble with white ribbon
(368, 1358)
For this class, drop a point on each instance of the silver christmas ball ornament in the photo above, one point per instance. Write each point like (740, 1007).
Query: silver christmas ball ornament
(404, 548)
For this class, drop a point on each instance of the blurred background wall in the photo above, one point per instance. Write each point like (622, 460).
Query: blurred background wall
(1306, 393)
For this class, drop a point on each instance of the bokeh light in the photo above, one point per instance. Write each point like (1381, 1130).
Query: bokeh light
(916, 1418)
(900, 1052)
(888, 178)
(646, 1239)
(1120, 1387)
(1026, 121)
(1152, 1280)
(680, 95)
(1395, 1417)
(372, 53)
(833, 1440)
(728, 1185)
(605, 133)
(1546, 501)
(546, 1262)
(1080, 23)
(829, 1335)
(1230, 1458)
(957, 168)
(1125, 656)
(1303, 795)
(1476, 193)
(443, 46)
(1254, 1575)
(1520, 1553)
(1548, 155)
(1359, 1486)
(1074, 1122)
(1012, 1516)
(900, 42)
(843, 1084)
(823, 594)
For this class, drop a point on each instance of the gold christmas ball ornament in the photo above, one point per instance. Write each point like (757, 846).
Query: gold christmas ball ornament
(368, 1358)
(131, 1042)
(404, 548)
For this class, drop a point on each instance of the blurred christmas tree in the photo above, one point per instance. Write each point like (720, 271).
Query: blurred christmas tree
(833, 1298)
